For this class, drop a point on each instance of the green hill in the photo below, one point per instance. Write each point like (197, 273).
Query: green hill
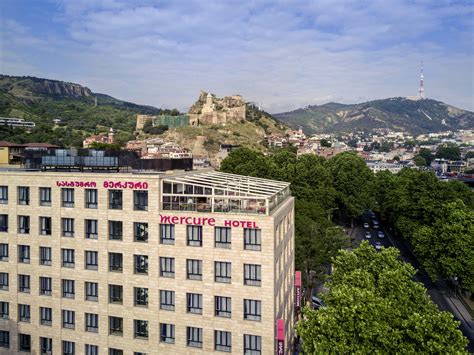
(400, 114)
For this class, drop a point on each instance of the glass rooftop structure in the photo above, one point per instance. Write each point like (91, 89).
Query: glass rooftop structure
(211, 191)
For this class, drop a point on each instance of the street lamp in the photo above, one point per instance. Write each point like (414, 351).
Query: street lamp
(329, 212)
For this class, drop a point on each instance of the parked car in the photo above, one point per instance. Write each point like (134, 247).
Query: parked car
(368, 235)
(378, 245)
(380, 234)
(375, 224)
(317, 302)
(366, 225)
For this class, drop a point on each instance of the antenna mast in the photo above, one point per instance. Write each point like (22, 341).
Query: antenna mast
(421, 90)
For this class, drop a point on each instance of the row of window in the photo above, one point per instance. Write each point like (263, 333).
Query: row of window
(194, 338)
(115, 202)
(194, 303)
(222, 235)
(194, 269)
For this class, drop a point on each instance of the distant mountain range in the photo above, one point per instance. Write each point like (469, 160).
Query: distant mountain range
(399, 114)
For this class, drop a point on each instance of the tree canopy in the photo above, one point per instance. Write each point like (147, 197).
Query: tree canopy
(374, 306)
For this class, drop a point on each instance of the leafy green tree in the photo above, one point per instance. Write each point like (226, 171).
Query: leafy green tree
(325, 143)
(426, 153)
(374, 306)
(446, 248)
(469, 155)
(419, 160)
(449, 151)
(353, 183)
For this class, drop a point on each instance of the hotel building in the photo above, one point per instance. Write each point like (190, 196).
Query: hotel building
(135, 263)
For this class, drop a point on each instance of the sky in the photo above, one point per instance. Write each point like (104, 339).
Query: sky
(280, 54)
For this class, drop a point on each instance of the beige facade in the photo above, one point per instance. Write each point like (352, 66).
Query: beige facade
(275, 259)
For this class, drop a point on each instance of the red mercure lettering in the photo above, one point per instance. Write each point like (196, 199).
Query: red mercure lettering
(227, 223)
(181, 219)
(197, 221)
(164, 219)
(188, 220)
(212, 222)
(174, 219)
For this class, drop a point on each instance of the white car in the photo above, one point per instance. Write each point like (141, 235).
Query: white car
(375, 224)
(366, 225)
(380, 234)
(368, 235)
(378, 245)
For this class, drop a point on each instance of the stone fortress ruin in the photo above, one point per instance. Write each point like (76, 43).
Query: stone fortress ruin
(209, 109)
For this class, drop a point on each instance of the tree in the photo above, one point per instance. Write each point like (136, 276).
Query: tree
(419, 160)
(469, 155)
(426, 153)
(449, 151)
(353, 183)
(446, 248)
(325, 143)
(374, 306)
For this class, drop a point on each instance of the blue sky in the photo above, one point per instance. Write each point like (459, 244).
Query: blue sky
(281, 54)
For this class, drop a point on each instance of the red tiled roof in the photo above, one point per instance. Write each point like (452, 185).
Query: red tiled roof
(40, 145)
(9, 144)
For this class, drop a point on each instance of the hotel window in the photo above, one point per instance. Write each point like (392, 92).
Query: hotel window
(4, 339)
(194, 236)
(46, 316)
(45, 225)
(3, 281)
(92, 260)
(140, 200)
(3, 252)
(223, 306)
(23, 195)
(24, 342)
(252, 239)
(24, 254)
(24, 224)
(91, 198)
(24, 313)
(67, 197)
(68, 257)
(115, 326)
(46, 345)
(46, 286)
(194, 303)
(91, 350)
(69, 348)
(115, 199)
(222, 271)
(166, 267)
(140, 296)
(45, 196)
(91, 291)
(141, 264)
(222, 341)
(69, 319)
(113, 351)
(115, 262)
(3, 195)
(3, 223)
(252, 275)
(194, 269)
(24, 283)
(69, 288)
(140, 328)
(222, 237)
(92, 322)
(167, 333)
(4, 310)
(252, 310)
(167, 300)
(91, 228)
(140, 231)
(167, 233)
(45, 256)
(252, 344)
(116, 294)
(194, 337)
(68, 227)
(115, 230)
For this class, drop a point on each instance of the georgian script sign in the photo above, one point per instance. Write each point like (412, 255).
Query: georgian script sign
(205, 221)
(136, 185)
(280, 337)
(298, 290)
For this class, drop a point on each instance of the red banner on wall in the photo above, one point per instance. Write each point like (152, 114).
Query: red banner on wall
(298, 290)
(280, 337)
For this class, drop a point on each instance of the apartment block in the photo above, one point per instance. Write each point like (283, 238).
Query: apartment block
(125, 263)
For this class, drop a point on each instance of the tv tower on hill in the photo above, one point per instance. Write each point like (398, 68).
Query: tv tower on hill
(421, 90)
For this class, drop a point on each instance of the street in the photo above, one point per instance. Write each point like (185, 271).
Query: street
(441, 295)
